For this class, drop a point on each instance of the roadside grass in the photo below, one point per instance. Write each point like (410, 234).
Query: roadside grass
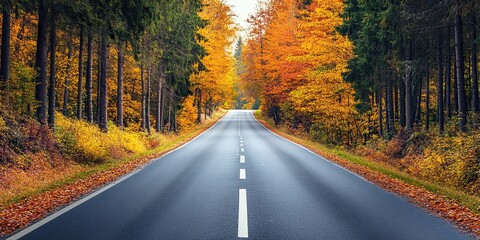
(469, 201)
(87, 170)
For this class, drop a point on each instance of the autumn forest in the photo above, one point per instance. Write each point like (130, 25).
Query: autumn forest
(92, 89)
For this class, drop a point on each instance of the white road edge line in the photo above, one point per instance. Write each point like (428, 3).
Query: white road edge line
(242, 159)
(73, 205)
(242, 214)
(243, 174)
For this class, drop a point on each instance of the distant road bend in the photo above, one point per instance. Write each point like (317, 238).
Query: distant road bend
(239, 180)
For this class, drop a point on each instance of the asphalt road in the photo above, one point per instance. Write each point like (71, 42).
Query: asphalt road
(201, 192)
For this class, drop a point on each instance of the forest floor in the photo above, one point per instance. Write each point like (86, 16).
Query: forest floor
(458, 207)
(20, 207)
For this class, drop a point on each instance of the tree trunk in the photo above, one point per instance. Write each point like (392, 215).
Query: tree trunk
(390, 110)
(147, 101)
(120, 87)
(41, 63)
(162, 109)
(409, 114)
(427, 99)
(5, 51)
(103, 84)
(99, 76)
(395, 98)
(475, 104)
(462, 98)
(448, 77)
(403, 117)
(379, 104)
(199, 106)
(440, 114)
(158, 124)
(80, 77)
(142, 79)
(67, 77)
(170, 114)
(89, 80)
(52, 82)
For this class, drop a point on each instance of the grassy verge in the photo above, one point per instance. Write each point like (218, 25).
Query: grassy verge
(469, 201)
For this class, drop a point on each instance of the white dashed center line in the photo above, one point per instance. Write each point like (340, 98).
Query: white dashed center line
(242, 214)
(243, 150)
(242, 159)
(243, 174)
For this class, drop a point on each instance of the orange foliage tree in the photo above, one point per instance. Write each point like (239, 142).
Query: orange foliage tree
(215, 86)
(296, 58)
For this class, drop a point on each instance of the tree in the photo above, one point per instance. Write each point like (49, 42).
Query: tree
(89, 80)
(80, 76)
(52, 81)
(120, 86)
(41, 63)
(5, 49)
(460, 65)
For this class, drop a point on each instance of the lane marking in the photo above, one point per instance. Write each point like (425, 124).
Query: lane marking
(241, 145)
(243, 150)
(242, 214)
(243, 174)
(241, 141)
(91, 195)
(242, 159)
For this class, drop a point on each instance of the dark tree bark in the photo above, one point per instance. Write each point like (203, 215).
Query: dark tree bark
(199, 105)
(448, 77)
(460, 65)
(440, 114)
(5, 51)
(103, 84)
(120, 87)
(389, 102)
(41, 63)
(52, 82)
(427, 98)
(67, 78)
(379, 104)
(403, 115)
(162, 109)
(147, 101)
(158, 123)
(170, 114)
(475, 104)
(99, 76)
(409, 113)
(396, 110)
(142, 79)
(80, 77)
(89, 80)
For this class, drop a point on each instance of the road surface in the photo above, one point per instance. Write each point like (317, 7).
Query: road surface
(239, 180)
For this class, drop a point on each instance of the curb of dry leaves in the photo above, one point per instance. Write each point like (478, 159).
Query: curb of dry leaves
(20, 215)
(438, 205)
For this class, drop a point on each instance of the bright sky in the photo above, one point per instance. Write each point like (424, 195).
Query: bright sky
(242, 8)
